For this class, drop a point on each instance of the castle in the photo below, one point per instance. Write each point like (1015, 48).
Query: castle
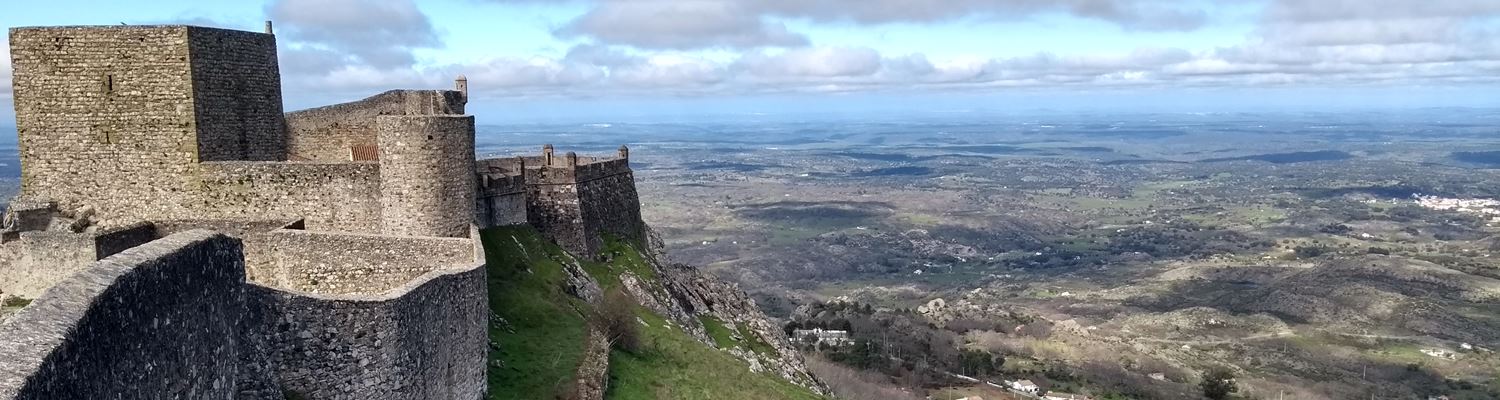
(183, 237)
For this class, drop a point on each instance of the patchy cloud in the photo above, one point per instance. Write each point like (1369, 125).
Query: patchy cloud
(323, 35)
(676, 24)
(817, 63)
(688, 24)
(730, 47)
(1130, 14)
(5, 85)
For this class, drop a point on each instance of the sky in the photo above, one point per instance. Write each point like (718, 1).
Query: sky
(531, 60)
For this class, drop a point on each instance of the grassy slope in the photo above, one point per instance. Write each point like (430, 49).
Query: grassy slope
(676, 366)
(540, 356)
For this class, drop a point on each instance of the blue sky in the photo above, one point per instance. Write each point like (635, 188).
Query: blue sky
(600, 59)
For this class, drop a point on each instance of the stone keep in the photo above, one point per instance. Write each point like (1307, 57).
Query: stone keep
(103, 112)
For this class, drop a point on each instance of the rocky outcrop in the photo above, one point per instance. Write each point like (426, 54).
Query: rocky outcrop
(592, 378)
(685, 294)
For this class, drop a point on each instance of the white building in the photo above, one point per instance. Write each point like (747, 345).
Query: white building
(823, 336)
(1024, 385)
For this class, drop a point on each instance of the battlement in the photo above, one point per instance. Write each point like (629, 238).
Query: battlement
(571, 199)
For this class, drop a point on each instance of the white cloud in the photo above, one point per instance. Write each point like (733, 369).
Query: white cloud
(679, 24)
(688, 24)
(5, 71)
(816, 62)
(324, 34)
(631, 47)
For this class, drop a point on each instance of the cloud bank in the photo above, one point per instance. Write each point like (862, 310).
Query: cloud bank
(736, 47)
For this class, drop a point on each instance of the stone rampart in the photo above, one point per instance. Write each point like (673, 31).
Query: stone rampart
(38, 260)
(339, 263)
(255, 238)
(114, 241)
(155, 321)
(236, 95)
(610, 206)
(601, 169)
(501, 200)
(575, 200)
(329, 196)
(426, 183)
(328, 133)
(425, 339)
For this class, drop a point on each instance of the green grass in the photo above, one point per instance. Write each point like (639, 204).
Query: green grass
(540, 351)
(723, 337)
(754, 342)
(673, 365)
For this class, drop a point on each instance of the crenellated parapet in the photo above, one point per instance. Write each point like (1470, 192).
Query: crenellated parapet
(572, 199)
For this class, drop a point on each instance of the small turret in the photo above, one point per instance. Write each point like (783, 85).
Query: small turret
(547, 155)
(269, 31)
(572, 159)
(461, 84)
(624, 152)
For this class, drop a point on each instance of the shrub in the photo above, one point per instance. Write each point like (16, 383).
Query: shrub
(615, 317)
(1310, 251)
(1218, 383)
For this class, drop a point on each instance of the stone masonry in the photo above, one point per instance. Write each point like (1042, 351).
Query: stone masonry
(184, 238)
(573, 200)
(347, 266)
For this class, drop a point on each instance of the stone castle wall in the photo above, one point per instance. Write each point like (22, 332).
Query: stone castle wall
(330, 196)
(424, 340)
(114, 241)
(151, 320)
(577, 200)
(176, 316)
(338, 263)
(426, 174)
(610, 206)
(236, 95)
(374, 292)
(501, 194)
(254, 236)
(327, 133)
(37, 260)
(554, 210)
(102, 112)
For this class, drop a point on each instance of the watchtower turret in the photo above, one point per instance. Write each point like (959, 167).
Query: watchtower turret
(461, 84)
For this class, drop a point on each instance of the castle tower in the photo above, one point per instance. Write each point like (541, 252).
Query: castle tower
(104, 112)
(425, 184)
(461, 84)
(578, 201)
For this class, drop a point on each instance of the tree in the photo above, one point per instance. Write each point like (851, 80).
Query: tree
(1218, 383)
(790, 327)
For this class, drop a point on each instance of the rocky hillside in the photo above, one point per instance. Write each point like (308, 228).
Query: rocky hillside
(627, 327)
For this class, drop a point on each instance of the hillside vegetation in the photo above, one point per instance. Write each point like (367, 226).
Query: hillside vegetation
(539, 329)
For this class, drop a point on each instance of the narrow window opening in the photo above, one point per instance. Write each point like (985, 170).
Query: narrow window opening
(109, 84)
